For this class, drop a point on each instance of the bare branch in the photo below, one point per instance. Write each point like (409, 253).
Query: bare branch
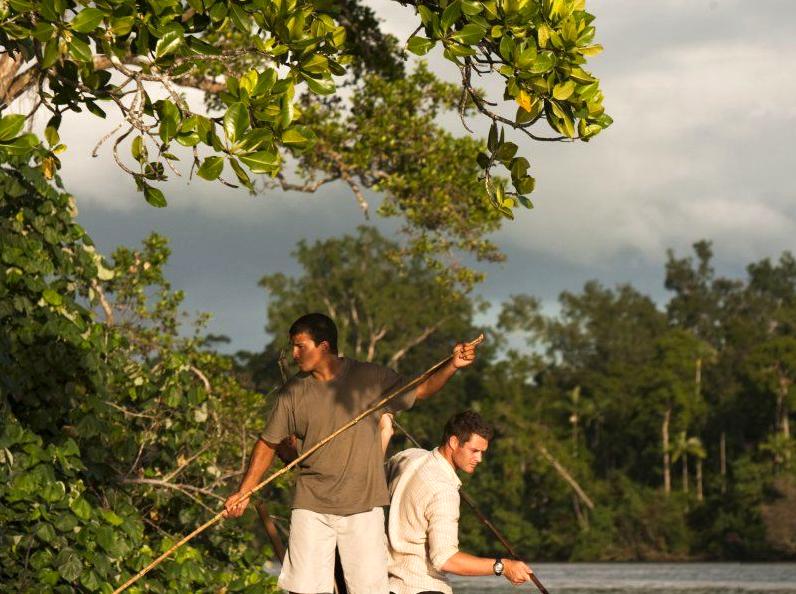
(564, 474)
(165, 484)
(106, 307)
(198, 373)
(184, 465)
(401, 353)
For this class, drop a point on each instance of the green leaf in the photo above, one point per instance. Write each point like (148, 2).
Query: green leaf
(242, 176)
(544, 62)
(52, 297)
(506, 151)
(451, 15)
(470, 34)
(316, 64)
(156, 198)
(519, 167)
(11, 126)
(323, 86)
(420, 45)
(170, 41)
(80, 50)
(51, 53)
(169, 120)
(471, 7)
(492, 139)
(240, 18)
(298, 137)
(563, 91)
(506, 47)
(87, 20)
(51, 135)
(95, 109)
(524, 201)
(69, 565)
(138, 149)
(236, 121)
(211, 168)
(45, 532)
(20, 145)
(121, 26)
(111, 517)
(202, 47)
(261, 161)
(526, 185)
(43, 31)
(188, 138)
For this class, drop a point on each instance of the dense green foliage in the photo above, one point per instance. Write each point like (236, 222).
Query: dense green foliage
(302, 93)
(116, 435)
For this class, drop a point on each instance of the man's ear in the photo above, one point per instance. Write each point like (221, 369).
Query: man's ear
(453, 442)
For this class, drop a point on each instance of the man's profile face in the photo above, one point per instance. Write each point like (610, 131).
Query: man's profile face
(306, 353)
(468, 455)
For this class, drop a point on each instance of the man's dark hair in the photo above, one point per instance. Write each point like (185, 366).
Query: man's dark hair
(464, 424)
(319, 327)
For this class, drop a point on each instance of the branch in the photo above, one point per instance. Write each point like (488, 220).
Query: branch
(375, 338)
(12, 85)
(182, 466)
(106, 307)
(198, 373)
(177, 486)
(310, 188)
(566, 476)
(401, 353)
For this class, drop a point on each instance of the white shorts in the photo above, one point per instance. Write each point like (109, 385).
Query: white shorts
(309, 563)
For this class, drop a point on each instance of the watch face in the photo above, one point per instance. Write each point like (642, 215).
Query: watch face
(498, 567)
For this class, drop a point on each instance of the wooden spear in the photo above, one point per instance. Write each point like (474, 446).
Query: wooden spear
(484, 520)
(220, 515)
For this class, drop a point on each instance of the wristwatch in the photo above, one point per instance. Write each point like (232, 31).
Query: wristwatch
(498, 567)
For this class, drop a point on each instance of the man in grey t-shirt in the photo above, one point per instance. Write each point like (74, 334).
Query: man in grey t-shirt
(341, 488)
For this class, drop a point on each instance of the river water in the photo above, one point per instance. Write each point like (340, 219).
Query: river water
(636, 578)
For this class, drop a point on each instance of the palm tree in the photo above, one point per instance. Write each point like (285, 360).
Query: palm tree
(682, 448)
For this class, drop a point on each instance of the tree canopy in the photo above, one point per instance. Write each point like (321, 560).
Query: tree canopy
(275, 73)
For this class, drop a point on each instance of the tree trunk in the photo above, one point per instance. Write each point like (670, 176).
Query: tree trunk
(685, 472)
(723, 461)
(698, 377)
(667, 475)
(564, 474)
(700, 496)
(783, 422)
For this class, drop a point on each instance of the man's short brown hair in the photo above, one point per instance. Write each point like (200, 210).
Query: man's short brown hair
(464, 424)
(319, 327)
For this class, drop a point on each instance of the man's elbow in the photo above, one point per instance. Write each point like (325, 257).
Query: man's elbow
(445, 562)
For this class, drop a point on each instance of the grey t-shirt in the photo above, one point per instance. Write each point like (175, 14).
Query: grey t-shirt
(345, 476)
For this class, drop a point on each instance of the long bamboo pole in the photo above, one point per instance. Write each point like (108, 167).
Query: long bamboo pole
(220, 515)
(484, 520)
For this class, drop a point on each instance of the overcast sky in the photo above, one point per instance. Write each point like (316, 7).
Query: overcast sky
(703, 94)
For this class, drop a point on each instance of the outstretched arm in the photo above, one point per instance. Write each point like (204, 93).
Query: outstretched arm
(461, 563)
(464, 354)
(260, 460)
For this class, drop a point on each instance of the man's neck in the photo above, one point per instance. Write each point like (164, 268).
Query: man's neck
(328, 368)
(446, 453)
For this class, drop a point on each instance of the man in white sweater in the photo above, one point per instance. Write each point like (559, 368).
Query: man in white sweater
(423, 525)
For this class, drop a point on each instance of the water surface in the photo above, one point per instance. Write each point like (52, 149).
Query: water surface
(657, 578)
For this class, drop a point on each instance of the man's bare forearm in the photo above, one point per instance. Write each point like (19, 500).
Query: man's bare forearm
(466, 564)
(261, 458)
(435, 383)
